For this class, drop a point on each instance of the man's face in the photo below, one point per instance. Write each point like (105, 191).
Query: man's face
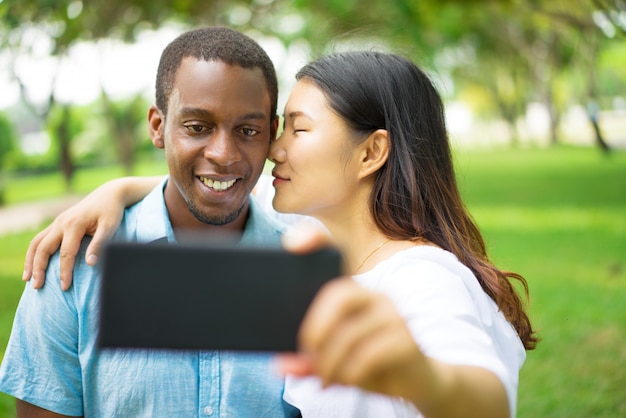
(216, 136)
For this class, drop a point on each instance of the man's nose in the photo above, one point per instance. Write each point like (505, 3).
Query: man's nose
(223, 148)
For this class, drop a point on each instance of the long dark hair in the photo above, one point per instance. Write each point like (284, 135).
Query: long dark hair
(415, 193)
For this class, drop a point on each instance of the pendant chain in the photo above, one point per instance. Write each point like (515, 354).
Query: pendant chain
(371, 254)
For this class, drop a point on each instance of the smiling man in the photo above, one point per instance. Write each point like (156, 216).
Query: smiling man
(215, 116)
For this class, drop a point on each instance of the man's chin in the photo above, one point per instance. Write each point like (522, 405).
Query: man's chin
(214, 219)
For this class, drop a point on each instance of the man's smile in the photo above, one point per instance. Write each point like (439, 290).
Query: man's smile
(217, 185)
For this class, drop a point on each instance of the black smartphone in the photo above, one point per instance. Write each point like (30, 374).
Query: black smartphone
(207, 296)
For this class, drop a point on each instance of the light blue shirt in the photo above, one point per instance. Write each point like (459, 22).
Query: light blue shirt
(52, 360)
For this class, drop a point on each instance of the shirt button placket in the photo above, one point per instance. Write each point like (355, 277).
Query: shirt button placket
(209, 379)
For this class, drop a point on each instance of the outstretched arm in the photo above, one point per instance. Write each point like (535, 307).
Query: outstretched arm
(354, 336)
(98, 214)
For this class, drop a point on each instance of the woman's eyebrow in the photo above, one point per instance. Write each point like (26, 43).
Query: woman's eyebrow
(296, 113)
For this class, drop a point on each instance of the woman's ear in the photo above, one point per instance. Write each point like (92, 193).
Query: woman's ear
(156, 123)
(375, 152)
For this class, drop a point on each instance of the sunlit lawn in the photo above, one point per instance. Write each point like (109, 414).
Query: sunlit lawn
(558, 217)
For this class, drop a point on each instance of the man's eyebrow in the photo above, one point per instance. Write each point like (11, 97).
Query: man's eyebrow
(255, 115)
(196, 111)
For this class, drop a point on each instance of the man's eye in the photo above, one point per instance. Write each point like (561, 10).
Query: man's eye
(195, 128)
(249, 131)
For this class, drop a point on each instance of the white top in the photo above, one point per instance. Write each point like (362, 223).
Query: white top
(451, 318)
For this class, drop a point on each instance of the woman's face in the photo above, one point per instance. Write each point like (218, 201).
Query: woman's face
(316, 166)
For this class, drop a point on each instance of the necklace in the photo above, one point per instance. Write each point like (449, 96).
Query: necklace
(371, 254)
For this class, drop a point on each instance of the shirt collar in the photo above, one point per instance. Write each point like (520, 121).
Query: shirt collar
(153, 221)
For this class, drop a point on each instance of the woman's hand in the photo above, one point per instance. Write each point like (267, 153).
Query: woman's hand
(353, 336)
(98, 214)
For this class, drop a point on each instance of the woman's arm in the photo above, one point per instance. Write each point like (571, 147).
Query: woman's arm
(353, 336)
(98, 214)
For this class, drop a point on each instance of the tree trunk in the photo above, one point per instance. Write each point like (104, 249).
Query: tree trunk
(65, 155)
(122, 128)
(555, 116)
(593, 111)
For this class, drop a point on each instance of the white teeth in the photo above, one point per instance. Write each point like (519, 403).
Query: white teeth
(217, 185)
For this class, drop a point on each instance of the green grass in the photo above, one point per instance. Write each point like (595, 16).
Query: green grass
(558, 216)
(24, 188)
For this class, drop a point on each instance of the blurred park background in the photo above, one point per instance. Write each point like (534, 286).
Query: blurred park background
(535, 92)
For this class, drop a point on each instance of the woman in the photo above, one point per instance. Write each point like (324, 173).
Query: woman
(426, 320)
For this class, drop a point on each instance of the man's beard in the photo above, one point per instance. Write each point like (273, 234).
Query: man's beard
(213, 220)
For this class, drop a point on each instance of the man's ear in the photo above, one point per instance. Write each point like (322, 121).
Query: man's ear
(274, 129)
(156, 124)
(375, 152)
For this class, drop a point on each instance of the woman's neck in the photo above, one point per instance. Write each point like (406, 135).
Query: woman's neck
(354, 230)
(357, 236)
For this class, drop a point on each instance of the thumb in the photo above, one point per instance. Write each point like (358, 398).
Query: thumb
(305, 237)
(95, 246)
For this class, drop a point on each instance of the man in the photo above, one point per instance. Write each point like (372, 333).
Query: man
(215, 116)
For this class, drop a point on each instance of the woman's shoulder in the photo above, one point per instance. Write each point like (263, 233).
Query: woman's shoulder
(427, 274)
(426, 259)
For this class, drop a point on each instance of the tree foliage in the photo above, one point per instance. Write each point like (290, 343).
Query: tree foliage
(516, 51)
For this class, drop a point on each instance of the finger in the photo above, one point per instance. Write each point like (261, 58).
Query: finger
(305, 237)
(294, 364)
(353, 333)
(335, 301)
(381, 361)
(103, 233)
(67, 255)
(30, 254)
(366, 363)
(48, 246)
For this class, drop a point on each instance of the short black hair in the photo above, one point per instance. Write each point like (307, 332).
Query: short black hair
(213, 44)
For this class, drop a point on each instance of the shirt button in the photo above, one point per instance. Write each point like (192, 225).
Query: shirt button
(208, 410)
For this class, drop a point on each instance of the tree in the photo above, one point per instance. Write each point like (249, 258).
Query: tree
(63, 23)
(523, 44)
(62, 127)
(7, 145)
(124, 117)
(528, 44)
